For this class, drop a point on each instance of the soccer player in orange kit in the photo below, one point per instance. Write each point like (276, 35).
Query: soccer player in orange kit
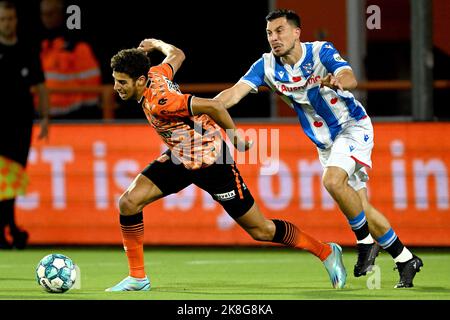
(191, 128)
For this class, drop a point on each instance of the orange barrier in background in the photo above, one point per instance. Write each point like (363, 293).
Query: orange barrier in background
(78, 175)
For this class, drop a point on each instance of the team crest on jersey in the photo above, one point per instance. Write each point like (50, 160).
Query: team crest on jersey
(308, 67)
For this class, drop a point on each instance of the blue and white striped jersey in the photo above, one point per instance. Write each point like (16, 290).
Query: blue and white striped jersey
(323, 112)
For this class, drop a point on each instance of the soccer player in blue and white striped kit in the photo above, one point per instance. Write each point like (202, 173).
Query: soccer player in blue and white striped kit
(314, 80)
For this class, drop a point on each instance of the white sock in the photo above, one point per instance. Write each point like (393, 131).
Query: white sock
(404, 256)
(138, 279)
(366, 240)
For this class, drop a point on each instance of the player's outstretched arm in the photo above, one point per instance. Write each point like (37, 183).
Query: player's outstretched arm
(215, 109)
(344, 80)
(174, 56)
(231, 96)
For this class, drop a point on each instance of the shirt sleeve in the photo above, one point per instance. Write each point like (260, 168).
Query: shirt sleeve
(332, 59)
(164, 69)
(255, 75)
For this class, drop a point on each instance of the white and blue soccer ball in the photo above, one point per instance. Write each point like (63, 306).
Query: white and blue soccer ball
(56, 273)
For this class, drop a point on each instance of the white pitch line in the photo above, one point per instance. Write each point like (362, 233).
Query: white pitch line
(241, 261)
(89, 264)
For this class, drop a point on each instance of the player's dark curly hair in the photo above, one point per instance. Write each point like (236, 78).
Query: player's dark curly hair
(291, 16)
(133, 62)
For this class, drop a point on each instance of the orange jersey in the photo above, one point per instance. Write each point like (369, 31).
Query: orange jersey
(195, 141)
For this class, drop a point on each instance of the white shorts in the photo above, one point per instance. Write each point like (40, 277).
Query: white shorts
(351, 151)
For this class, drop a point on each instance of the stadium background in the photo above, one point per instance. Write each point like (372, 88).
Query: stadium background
(75, 183)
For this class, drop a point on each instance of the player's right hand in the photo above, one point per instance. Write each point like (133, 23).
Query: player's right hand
(148, 45)
(331, 81)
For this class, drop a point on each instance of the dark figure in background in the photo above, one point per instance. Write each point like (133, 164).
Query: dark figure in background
(20, 70)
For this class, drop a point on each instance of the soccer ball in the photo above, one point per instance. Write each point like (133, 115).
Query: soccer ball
(56, 273)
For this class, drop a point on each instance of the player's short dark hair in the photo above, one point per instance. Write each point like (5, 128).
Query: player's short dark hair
(133, 62)
(291, 16)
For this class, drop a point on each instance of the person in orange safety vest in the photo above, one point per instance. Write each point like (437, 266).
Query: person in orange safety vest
(67, 62)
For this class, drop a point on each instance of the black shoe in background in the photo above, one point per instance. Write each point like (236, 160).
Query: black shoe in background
(366, 258)
(20, 239)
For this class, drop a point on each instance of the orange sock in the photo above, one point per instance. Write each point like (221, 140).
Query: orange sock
(288, 234)
(133, 242)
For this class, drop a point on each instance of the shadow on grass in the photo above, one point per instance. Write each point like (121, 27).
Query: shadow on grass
(15, 279)
(264, 292)
(432, 289)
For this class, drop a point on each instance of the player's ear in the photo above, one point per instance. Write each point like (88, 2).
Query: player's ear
(298, 31)
(141, 81)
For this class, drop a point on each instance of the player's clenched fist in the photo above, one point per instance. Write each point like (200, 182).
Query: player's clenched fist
(148, 45)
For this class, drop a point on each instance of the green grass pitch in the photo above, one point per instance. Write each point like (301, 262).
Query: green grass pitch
(184, 273)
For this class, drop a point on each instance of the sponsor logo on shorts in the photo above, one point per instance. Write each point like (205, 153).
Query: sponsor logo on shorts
(225, 196)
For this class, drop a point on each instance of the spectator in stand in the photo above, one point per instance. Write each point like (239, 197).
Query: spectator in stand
(68, 62)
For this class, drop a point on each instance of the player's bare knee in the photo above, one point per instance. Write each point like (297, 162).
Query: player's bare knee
(127, 205)
(332, 183)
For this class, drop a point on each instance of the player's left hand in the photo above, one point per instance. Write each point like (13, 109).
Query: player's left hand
(331, 81)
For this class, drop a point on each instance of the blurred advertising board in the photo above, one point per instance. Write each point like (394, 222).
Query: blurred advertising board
(77, 176)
